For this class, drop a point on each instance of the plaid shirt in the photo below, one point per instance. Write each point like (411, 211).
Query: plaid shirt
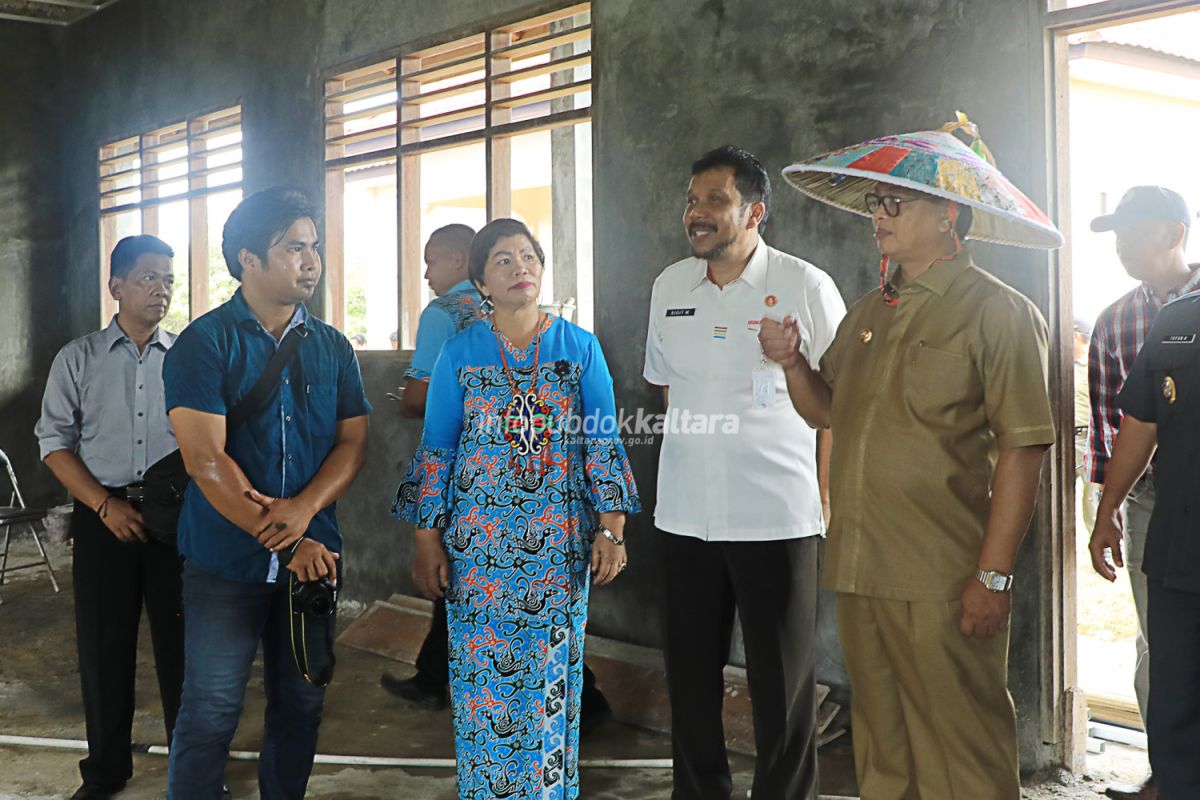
(1118, 336)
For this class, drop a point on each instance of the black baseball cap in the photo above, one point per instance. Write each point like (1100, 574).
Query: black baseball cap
(1146, 202)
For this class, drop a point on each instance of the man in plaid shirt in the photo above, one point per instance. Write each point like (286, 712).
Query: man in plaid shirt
(1151, 225)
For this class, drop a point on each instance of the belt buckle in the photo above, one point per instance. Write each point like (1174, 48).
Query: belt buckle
(134, 494)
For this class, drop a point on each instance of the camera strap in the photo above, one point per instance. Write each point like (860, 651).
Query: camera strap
(264, 388)
(312, 639)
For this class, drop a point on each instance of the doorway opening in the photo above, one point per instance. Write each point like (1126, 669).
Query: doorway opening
(1129, 94)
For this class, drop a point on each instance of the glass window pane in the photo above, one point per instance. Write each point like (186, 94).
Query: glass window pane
(549, 176)
(369, 255)
(221, 285)
(174, 221)
(113, 228)
(452, 189)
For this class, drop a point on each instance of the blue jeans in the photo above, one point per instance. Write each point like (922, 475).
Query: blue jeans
(225, 620)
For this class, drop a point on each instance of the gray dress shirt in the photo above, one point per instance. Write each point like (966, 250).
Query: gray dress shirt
(104, 402)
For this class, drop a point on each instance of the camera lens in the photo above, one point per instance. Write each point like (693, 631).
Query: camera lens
(319, 605)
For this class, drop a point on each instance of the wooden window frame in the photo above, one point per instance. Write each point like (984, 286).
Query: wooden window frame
(404, 71)
(136, 156)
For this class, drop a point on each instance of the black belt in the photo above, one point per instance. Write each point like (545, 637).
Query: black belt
(132, 494)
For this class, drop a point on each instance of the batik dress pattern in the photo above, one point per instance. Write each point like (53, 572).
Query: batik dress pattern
(515, 484)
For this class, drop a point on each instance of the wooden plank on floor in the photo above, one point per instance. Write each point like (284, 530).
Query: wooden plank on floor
(387, 630)
(1115, 710)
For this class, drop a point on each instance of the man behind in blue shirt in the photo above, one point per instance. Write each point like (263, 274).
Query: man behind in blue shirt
(455, 306)
(262, 488)
(103, 423)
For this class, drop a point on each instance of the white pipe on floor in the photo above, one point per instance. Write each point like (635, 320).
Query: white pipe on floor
(347, 761)
(40, 741)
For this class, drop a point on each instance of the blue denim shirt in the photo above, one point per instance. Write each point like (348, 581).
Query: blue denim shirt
(441, 319)
(212, 365)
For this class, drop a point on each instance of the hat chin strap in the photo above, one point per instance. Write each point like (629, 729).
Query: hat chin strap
(891, 296)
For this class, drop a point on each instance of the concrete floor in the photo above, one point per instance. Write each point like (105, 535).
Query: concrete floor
(39, 696)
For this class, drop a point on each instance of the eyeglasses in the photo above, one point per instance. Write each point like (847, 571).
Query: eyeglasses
(891, 203)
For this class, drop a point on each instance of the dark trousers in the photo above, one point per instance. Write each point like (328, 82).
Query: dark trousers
(433, 664)
(1174, 724)
(772, 585)
(226, 621)
(112, 581)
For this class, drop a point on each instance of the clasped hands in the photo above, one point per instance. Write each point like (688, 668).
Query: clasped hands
(283, 524)
(780, 341)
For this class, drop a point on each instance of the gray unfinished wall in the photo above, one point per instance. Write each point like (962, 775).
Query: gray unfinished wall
(673, 78)
(32, 325)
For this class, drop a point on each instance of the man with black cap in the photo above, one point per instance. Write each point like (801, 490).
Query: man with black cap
(1151, 225)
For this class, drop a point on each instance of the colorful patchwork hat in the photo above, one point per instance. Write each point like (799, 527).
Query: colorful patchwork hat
(933, 162)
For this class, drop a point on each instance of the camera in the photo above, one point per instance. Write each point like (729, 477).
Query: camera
(315, 598)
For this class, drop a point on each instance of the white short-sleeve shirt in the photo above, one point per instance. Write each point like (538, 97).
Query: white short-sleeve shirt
(730, 470)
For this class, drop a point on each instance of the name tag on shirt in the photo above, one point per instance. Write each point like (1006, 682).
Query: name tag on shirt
(681, 312)
(1180, 338)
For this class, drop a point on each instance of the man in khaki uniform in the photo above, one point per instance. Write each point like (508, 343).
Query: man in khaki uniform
(937, 391)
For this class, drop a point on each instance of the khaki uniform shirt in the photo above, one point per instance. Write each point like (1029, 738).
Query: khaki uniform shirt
(924, 395)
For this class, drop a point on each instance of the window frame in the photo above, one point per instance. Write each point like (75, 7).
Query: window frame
(404, 156)
(229, 117)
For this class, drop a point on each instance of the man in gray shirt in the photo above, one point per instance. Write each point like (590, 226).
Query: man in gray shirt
(103, 422)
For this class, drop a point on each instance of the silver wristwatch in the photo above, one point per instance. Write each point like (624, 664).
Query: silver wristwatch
(995, 581)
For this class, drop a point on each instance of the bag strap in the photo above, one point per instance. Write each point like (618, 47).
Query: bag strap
(264, 387)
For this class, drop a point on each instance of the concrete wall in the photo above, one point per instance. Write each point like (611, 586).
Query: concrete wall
(673, 78)
(32, 325)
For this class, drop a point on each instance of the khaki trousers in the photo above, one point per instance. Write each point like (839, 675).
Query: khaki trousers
(931, 715)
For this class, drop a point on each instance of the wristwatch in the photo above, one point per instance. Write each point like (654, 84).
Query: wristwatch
(995, 581)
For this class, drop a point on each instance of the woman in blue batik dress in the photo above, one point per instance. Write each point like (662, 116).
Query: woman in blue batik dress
(519, 493)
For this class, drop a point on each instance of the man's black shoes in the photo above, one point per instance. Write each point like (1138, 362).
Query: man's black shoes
(413, 690)
(593, 711)
(93, 792)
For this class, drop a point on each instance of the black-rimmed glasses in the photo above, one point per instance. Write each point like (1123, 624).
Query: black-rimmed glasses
(891, 203)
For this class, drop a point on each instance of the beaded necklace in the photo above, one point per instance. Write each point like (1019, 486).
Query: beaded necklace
(528, 419)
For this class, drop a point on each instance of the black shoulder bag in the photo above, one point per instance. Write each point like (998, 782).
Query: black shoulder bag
(166, 479)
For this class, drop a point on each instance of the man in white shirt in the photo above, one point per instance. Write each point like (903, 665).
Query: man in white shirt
(739, 505)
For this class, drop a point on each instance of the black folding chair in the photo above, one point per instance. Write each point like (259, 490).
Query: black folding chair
(17, 514)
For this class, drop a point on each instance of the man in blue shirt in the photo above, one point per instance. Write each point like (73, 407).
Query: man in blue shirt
(260, 489)
(103, 423)
(455, 306)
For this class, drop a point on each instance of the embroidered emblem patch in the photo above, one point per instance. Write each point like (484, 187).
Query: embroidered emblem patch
(1168, 390)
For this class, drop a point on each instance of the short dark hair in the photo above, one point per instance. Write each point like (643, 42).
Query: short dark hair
(486, 239)
(751, 178)
(125, 255)
(456, 235)
(259, 221)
